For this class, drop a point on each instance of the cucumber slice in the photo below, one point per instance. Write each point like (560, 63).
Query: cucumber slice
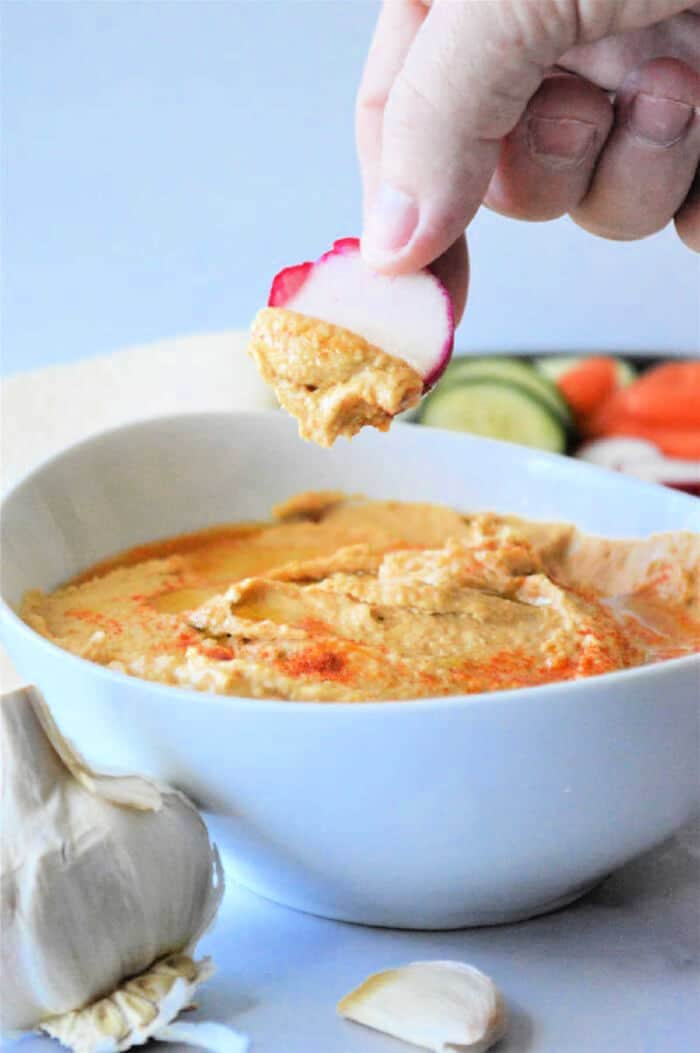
(512, 370)
(554, 366)
(497, 409)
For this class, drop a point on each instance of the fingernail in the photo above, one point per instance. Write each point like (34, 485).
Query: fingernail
(659, 120)
(392, 220)
(560, 142)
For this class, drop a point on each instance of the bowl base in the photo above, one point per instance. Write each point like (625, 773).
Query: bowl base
(467, 920)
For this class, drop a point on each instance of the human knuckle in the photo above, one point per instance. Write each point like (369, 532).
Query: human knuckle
(412, 97)
(531, 25)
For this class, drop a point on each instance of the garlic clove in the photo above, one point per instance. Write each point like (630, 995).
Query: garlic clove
(139, 1012)
(181, 965)
(155, 984)
(447, 1007)
(107, 1021)
(144, 1008)
(111, 1020)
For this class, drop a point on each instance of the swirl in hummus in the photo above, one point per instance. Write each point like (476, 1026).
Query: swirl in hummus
(346, 599)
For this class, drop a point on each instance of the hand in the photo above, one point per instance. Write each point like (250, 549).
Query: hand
(509, 102)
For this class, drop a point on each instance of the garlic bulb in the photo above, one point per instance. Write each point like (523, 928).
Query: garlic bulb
(143, 1008)
(448, 1007)
(103, 878)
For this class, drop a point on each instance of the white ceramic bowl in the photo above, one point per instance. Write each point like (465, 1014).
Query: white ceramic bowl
(427, 814)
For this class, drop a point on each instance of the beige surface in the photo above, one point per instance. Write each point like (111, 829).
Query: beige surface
(44, 410)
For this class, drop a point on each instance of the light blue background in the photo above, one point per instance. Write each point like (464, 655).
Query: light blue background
(162, 160)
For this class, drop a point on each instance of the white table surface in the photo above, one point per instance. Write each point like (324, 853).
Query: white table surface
(618, 972)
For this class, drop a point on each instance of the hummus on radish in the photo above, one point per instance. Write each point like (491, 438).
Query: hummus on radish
(344, 347)
(353, 600)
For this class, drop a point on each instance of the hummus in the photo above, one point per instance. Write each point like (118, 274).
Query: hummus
(330, 379)
(343, 599)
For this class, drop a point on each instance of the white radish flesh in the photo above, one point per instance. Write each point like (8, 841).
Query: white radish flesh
(408, 317)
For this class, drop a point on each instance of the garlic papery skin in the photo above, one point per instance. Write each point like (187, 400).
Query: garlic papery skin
(143, 1008)
(448, 1007)
(101, 876)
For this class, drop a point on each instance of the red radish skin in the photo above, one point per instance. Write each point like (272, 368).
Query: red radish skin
(287, 283)
(688, 488)
(426, 313)
(341, 245)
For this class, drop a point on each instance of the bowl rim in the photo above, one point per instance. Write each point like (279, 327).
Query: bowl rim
(147, 420)
(513, 695)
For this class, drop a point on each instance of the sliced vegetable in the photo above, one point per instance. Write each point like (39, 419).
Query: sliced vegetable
(497, 409)
(512, 370)
(663, 406)
(674, 442)
(409, 317)
(618, 454)
(588, 384)
(687, 488)
(642, 459)
(555, 366)
(667, 394)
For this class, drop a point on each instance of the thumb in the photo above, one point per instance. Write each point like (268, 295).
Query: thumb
(464, 83)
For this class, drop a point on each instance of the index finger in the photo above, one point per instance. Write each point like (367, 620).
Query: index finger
(397, 26)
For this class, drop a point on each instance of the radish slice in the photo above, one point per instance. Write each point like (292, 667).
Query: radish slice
(642, 459)
(409, 317)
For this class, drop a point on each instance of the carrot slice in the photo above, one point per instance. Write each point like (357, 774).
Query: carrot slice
(668, 394)
(586, 385)
(611, 412)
